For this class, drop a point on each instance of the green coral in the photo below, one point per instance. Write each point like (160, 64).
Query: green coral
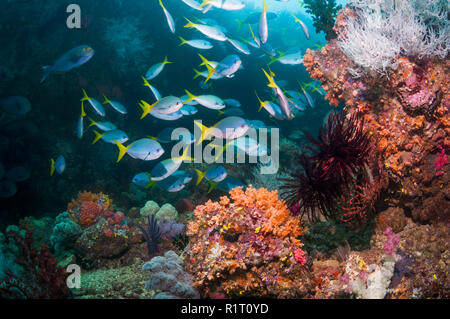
(323, 13)
(64, 234)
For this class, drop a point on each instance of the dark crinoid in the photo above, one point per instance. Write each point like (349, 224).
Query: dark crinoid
(341, 149)
(328, 168)
(152, 234)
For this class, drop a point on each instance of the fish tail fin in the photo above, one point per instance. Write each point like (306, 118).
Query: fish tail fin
(85, 96)
(97, 136)
(106, 100)
(200, 175)
(271, 84)
(205, 2)
(166, 61)
(212, 185)
(261, 103)
(146, 83)
(197, 73)
(272, 74)
(52, 166)
(205, 131)
(150, 184)
(122, 150)
(161, 4)
(185, 157)
(91, 121)
(146, 108)
(240, 23)
(183, 41)
(46, 71)
(273, 59)
(83, 113)
(211, 72)
(204, 60)
(190, 24)
(191, 97)
(265, 6)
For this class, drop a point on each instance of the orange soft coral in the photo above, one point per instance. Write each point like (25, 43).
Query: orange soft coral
(89, 212)
(248, 228)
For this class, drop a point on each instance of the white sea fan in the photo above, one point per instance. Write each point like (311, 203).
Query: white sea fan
(385, 29)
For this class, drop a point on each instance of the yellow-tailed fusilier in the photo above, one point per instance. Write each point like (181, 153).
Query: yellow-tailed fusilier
(210, 31)
(165, 168)
(229, 5)
(96, 105)
(210, 101)
(304, 27)
(59, 165)
(197, 43)
(273, 109)
(145, 149)
(263, 28)
(228, 128)
(116, 105)
(110, 136)
(156, 69)
(242, 47)
(169, 18)
(104, 126)
(80, 123)
(155, 92)
(166, 105)
(283, 101)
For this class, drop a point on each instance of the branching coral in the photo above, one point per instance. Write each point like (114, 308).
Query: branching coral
(323, 14)
(246, 245)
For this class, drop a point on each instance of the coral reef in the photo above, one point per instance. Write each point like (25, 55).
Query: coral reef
(166, 211)
(40, 277)
(64, 234)
(168, 276)
(338, 178)
(407, 115)
(246, 245)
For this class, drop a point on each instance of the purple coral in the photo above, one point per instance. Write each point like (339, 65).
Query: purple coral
(390, 246)
(170, 228)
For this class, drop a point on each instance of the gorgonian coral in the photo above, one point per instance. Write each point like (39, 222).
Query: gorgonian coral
(246, 245)
(329, 167)
(41, 277)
